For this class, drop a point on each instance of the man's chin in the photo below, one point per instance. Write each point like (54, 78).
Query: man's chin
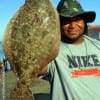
(71, 38)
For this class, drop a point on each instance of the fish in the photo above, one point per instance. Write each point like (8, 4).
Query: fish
(31, 40)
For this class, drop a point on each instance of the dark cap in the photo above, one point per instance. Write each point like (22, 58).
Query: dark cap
(72, 8)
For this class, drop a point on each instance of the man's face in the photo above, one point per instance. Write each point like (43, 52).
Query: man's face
(72, 28)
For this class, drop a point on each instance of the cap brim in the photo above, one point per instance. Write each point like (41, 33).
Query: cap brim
(88, 16)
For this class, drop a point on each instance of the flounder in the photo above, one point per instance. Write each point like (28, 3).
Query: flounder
(31, 41)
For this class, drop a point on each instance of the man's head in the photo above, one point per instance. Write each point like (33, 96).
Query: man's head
(73, 18)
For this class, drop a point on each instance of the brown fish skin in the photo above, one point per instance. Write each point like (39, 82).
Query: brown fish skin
(32, 39)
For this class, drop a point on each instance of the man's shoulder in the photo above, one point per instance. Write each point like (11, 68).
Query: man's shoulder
(93, 40)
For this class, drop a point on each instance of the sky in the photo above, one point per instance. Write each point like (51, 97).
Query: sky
(9, 7)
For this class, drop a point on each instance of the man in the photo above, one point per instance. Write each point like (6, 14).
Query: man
(1, 64)
(75, 72)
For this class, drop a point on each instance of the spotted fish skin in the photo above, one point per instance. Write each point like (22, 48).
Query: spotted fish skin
(32, 38)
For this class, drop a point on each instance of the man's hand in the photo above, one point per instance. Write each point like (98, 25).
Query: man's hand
(39, 72)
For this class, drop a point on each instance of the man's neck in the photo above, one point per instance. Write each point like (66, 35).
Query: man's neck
(73, 41)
